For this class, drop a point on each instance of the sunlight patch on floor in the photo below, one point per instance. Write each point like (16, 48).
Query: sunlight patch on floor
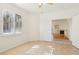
(40, 50)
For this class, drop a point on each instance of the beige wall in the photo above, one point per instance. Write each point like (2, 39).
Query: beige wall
(28, 31)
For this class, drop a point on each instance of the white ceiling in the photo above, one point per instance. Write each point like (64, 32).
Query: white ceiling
(33, 7)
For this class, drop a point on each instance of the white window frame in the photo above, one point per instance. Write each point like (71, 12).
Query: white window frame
(14, 30)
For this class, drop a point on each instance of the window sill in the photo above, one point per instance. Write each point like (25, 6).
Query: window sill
(7, 34)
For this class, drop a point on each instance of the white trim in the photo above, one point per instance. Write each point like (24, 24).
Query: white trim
(14, 33)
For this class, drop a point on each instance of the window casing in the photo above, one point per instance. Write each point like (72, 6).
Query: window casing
(11, 23)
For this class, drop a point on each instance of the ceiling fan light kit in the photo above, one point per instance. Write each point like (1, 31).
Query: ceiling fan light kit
(41, 4)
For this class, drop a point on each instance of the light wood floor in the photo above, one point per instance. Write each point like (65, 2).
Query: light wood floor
(60, 37)
(44, 48)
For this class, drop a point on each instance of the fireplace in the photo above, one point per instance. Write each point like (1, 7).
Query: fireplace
(61, 32)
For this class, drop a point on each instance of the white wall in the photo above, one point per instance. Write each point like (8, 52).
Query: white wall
(29, 30)
(34, 27)
(75, 31)
(45, 27)
(46, 21)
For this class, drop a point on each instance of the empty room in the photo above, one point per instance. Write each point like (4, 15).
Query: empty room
(39, 28)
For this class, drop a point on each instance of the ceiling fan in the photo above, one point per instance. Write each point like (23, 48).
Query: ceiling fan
(41, 4)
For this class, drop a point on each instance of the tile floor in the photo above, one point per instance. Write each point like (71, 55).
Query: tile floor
(44, 48)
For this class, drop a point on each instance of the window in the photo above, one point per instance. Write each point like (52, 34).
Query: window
(18, 22)
(7, 22)
(12, 22)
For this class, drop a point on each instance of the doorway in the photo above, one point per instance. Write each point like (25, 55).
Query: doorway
(61, 29)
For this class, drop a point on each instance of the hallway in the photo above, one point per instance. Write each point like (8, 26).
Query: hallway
(44, 48)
